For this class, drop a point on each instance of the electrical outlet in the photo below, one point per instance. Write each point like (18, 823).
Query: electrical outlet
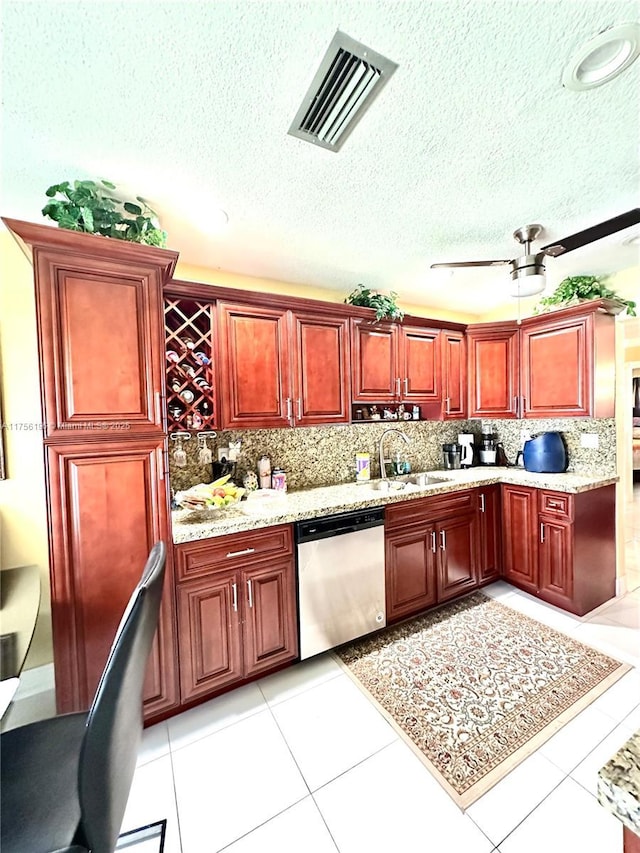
(525, 435)
(590, 439)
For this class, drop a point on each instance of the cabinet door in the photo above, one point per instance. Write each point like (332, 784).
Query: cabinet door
(457, 540)
(410, 570)
(209, 634)
(454, 375)
(270, 629)
(556, 561)
(490, 516)
(255, 376)
(101, 346)
(108, 506)
(493, 373)
(520, 540)
(322, 390)
(556, 368)
(420, 370)
(374, 362)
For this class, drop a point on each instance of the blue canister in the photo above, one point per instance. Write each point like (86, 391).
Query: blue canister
(545, 454)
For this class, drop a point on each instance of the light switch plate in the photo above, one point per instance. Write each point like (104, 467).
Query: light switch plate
(590, 439)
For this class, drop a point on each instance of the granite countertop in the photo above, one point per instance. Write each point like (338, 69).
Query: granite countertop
(189, 526)
(619, 784)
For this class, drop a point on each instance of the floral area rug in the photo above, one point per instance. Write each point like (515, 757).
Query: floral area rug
(474, 687)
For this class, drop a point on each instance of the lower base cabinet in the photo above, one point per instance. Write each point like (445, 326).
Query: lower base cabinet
(490, 533)
(561, 547)
(236, 606)
(431, 552)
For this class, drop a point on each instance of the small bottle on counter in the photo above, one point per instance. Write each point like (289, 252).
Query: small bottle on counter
(279, 480)
(264, 472)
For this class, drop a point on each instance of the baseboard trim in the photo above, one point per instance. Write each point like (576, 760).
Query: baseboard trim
(40, 679)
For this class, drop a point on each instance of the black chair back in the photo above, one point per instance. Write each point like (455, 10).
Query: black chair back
(114, 724)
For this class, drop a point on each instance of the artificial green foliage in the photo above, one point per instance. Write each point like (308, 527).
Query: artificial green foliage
(385, 306)
(91, 206)
(579, 287)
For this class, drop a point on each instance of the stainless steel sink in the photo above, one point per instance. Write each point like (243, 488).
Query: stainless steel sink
(408, 482)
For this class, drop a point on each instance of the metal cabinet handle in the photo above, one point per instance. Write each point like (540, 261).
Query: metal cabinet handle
(289, 409)
(523, 407)
(516, 406)
(160, 455)
(299, 402)
(240, 553)
(398, 391)
(250, 588)
(406, 386)
(234, 589)
(433, 541)
(158, 404)
(443, 540)
(541, 532)
(447, 405)
(481, 503)
(554, 504)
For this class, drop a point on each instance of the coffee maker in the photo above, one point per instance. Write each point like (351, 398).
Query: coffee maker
(488, 448)
(466, 440)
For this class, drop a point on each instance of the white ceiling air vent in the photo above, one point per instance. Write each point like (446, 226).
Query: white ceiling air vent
(349, 78)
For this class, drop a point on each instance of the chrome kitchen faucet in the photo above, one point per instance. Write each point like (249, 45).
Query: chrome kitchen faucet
(405, 438)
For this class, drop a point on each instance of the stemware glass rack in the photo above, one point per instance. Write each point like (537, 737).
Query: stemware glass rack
(189, 364)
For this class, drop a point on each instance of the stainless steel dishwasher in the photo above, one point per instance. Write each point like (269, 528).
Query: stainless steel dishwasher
(340, 578)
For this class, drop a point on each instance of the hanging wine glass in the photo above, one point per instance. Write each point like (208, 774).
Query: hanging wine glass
(179, 455)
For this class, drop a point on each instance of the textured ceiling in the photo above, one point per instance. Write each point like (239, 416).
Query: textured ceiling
(189, 103)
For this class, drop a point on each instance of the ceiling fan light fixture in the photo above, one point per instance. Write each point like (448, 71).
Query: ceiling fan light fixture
(528, 276)
(602, 58)
(529, 285)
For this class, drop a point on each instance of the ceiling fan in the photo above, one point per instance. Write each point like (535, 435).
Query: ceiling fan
(527, 271)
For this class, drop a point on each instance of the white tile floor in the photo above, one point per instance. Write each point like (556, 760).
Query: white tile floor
(301, 761)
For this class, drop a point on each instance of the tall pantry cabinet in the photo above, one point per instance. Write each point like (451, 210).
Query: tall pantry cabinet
(100, 338)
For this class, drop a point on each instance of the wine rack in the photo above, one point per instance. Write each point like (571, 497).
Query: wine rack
(189, 364)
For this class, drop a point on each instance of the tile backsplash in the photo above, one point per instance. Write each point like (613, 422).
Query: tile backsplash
(321, 456)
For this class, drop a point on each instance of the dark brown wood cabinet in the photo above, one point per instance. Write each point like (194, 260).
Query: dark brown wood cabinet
(280, 368)
(100, 337)
(551, 366)
(375, 371)
(520, 543)
(561, 547)
(237, 614)
(454, 375)
(255, 366)
(321, 381)
(431, 552)
(410, 561)
(393, 363)
(490, 521)
(493, 371)
(420, 365)
(568, 365)
(457, 540)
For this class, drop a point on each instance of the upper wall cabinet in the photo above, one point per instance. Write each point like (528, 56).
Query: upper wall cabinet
(553, 366)
(99, 306)
(393, 363)
(454, 375)
(281, 368)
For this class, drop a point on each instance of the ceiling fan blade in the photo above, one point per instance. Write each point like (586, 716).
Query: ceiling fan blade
(596, 232)
(471, 264)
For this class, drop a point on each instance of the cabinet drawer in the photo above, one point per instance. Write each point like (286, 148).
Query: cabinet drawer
(559, 504)
(429, 509)
(194, 559)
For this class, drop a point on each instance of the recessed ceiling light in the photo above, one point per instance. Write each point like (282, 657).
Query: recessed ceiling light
(634, 240)
(602, 58)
